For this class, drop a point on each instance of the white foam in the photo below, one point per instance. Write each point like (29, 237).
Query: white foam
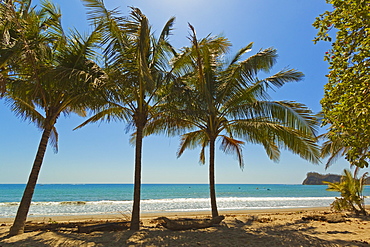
(9, 209)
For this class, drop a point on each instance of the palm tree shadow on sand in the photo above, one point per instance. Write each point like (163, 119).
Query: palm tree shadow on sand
(248, 231)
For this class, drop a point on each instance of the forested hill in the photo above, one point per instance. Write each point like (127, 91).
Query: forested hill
(314, 178)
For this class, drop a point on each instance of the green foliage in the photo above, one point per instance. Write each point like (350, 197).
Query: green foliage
(332, 147)
(345, 104)
(20, 38)
(136, 63)
(222, 98)
(350, 189)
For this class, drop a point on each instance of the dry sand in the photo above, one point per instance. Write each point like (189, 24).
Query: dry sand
(291, 227)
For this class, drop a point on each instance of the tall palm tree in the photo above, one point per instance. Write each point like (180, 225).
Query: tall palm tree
(227, 100)
(66, 81)
(137, 65)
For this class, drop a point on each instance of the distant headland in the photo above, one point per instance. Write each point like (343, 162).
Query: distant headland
(314, 178)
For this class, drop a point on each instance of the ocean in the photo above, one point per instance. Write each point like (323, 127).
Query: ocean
(92, 199)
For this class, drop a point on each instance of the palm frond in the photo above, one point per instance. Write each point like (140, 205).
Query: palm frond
(97, 12)
(53, 139)
(291, 114)
(236, 102)
(191, 140)
(202, 154)
(279, 79)
(197, 57)
(245, 71)
(256, 131)
(168, 125)
(334, 148)
(26, 111)
(241, 52)
(108, 115)
(230, 145)
(274, 136)
(53, 21)
(166, 31)
(110, 24)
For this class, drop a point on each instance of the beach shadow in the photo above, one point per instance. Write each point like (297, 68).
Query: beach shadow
(233, 232)
(24, 242)
(230, 236)
(223, 235)
(112, 238)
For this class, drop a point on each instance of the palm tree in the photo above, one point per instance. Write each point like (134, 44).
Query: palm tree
(226, 100)
(137, 65)
(65, 83)
(351, 191)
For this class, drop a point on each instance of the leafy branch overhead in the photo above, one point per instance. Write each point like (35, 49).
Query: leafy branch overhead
(345, 104)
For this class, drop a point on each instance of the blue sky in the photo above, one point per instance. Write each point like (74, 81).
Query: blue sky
(101, 153)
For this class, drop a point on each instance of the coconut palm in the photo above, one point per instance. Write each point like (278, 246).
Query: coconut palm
(137, 65)
(66, 81)
(227, 100)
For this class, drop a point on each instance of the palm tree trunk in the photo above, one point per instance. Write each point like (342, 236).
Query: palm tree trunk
(135, 217)
(212, 178)
(24, 206)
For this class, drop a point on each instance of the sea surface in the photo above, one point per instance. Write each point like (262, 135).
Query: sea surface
(88, 199)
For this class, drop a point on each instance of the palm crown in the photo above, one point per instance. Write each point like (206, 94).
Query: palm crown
(230, 101)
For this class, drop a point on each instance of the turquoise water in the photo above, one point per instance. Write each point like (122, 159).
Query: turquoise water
(72, 199)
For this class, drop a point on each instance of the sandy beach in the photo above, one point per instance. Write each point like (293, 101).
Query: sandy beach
(288, 227)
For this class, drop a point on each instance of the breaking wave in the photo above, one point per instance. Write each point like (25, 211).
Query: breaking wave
(8, 209)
